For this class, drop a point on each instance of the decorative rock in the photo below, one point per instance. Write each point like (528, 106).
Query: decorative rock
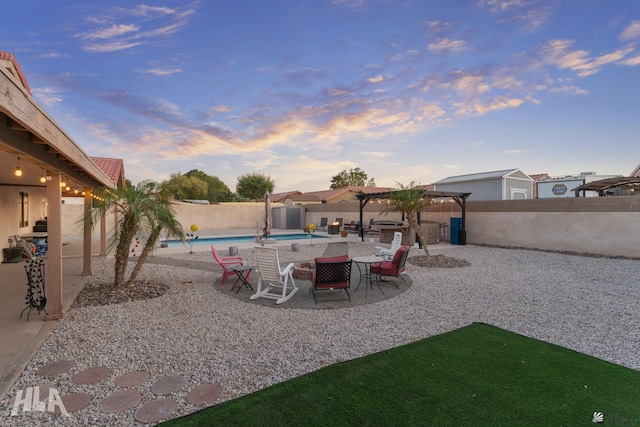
(167, 385)
(120, 401)
(132, 379)
(204, 393)
(91, 375)
(73, 402)
(154, 411)
(56, 368)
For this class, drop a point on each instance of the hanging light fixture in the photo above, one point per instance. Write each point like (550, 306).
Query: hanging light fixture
(62, 183)
(18, 171)
(43, 177)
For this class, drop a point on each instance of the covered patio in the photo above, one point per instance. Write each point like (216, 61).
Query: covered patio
(36, 158)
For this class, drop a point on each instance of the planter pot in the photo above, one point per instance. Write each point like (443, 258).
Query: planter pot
(344, 233)
(306, 230)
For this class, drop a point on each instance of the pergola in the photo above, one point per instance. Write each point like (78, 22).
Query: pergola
(605, 185)
(459, 198)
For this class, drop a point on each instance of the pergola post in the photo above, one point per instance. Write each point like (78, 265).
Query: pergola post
(86, 244)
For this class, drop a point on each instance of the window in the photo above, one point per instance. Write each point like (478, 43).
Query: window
(24, 209)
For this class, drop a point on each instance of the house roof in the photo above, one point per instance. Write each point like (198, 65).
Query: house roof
(636, 172)
(477, 176)
(10, 64)
(539, 176)
(279, 197)
(305, 198)
(113, 168)
(329, 195)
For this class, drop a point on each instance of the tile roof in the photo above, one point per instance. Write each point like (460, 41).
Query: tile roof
(9, 57)
(113, 168)
(539, 176)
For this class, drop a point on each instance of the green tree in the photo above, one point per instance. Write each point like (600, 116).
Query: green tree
(410, 201)
(254, 185)
(182, 187)
(143, 210)
(356, 177)
(217, 190)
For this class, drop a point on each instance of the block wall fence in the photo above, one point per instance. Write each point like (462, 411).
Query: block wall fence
(597, 225)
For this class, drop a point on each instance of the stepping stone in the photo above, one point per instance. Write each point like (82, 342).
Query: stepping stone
(154, 411)
(132, 379)
(204, 393)
(73, 402)
(91, 375)
(56, 368)
(120, 401)
(168, 385)
(44, 391)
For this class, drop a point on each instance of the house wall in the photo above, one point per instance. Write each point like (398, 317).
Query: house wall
(10, 210)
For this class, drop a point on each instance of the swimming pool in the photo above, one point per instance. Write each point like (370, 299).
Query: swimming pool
(241, 239)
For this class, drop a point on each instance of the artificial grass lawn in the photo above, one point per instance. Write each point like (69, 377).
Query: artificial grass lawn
(475, 376)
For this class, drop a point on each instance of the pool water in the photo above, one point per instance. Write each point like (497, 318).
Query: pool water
(240, 239)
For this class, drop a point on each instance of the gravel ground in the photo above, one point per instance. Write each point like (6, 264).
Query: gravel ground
(590, 305)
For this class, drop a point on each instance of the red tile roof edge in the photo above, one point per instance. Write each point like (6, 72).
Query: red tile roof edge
(9, 57)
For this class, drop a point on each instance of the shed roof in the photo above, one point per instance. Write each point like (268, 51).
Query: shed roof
(477, 176)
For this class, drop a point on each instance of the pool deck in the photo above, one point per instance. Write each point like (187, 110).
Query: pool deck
(200, 247)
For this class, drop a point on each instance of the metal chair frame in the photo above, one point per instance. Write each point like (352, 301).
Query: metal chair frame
(36, 298)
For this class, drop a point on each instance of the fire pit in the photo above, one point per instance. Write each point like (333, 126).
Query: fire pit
(334, 227)
(302, 271)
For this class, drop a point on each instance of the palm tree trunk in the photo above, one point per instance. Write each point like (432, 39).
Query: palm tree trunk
(148, 248)
(122, 251)
(413, 223)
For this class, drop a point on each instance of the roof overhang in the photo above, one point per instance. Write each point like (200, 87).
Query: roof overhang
(28, 131)
(605, 185)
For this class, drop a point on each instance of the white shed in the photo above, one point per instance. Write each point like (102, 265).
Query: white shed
(510, 184)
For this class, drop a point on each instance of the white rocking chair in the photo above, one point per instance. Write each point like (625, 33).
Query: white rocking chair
(273, 282)
(388, 253)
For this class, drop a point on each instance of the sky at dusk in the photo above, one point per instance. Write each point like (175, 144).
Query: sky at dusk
(300, 90)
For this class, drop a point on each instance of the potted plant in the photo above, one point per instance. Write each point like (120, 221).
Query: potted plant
(344, 233)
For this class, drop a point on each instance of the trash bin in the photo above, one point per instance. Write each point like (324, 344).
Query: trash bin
(457, 235)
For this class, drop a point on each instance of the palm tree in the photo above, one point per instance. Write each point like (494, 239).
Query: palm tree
(143, 208)
(410, 201)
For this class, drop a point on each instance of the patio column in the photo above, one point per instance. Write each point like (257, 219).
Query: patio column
(86, 243)
(103, 232)
(53, 284)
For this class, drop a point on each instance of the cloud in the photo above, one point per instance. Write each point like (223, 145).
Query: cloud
(152, 23)
(521, 12)
(560, 54)
(570, 90)
(631, 32)
(446, 44)
(48, 96)
(479, 107)
(376, 79)
(108, 33)
(631, 61)
(161, 71)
